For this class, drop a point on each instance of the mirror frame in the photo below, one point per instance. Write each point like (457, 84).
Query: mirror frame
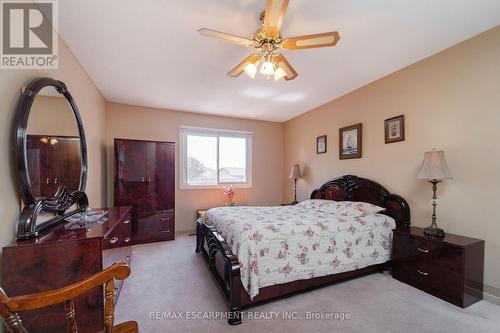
(27, 227)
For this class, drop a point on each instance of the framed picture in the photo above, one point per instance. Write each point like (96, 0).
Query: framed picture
(350, 142)
(395, 129)
(321, 144)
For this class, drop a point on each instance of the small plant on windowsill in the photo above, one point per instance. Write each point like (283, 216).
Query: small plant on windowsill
(229, 192)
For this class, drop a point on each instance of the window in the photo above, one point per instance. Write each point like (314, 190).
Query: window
(215, 158)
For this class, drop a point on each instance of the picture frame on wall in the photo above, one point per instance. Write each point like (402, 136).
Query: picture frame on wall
(350, 142)
(321, 144)
(394, 129)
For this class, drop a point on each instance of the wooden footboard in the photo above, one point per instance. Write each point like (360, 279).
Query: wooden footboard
(224, 267)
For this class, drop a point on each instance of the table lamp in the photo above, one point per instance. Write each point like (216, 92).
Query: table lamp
(295, 174)
(434, 170)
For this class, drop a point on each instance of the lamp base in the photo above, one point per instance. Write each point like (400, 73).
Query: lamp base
(434, 231)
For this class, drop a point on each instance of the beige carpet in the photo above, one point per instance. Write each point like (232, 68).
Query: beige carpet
(169, 277)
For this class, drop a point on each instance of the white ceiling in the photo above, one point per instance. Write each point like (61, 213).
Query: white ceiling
(149, 53)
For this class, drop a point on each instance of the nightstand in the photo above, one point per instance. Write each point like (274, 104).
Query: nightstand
(200, 213)
(288, 204)
(450, 268)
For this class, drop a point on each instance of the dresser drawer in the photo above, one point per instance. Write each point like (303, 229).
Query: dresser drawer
(154, 228)
(120, 236)
(113, 240)
(418, 250)
(431, 278)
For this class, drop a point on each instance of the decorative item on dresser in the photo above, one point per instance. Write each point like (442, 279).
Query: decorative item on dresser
(63, 256)
(224, 264)
(145, 179)
(295, 174)
(434, 169)
(10, 306)
(450, 268)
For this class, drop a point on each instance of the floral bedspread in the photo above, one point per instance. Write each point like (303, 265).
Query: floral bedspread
(276, 245)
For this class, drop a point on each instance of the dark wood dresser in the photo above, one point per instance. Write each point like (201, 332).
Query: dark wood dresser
(450, 268)
(64, 256)
(145, 179)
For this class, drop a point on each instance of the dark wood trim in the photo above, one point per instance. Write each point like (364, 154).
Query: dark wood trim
(224, 265)
(359, 154)
(27, 226)
(317, 142)
(401, 118)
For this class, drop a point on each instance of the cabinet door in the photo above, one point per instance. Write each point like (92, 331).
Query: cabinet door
(161, 173)
(131, 160)
(38, 169)
(66, 163)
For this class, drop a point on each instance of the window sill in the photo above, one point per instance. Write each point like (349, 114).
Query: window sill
(213, 187)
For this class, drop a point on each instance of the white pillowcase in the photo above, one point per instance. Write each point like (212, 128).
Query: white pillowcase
(349, 208)
(313, 204)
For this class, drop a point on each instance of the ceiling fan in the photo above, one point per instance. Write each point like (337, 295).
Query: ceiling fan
(267, 40)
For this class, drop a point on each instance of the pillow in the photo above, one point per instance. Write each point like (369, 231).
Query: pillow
(350, 208)
(314, 204)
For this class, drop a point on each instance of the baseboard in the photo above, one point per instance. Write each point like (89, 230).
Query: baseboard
(191, 232)
(491, 294)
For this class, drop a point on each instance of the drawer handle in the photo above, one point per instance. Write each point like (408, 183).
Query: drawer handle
(422, 273)
(423, 250)
(127, 239)
(165, 230)
(126, 222)
(113, 240)
(167, 219)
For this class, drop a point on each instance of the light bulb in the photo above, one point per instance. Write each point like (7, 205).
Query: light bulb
(53, 141)
(44, 140)
(279, 73)
(250, 70)
(267, 68)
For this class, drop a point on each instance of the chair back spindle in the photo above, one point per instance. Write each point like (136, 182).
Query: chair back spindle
(10, 306)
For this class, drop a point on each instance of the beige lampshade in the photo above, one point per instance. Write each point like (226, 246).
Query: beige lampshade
(434, 166)
(295, 172)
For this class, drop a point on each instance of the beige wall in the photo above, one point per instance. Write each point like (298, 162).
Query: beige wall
(92, 108)
(43, 112)
(134, 122)
(451, 102)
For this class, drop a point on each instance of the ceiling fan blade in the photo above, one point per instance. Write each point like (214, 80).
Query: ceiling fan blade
(227, 37)
(251, 59)
(275, 11)
(311, 41)
(281, 61)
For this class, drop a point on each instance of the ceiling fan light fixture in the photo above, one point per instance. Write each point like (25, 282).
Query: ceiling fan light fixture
(267, 68)
(250, 70)
(279, 73)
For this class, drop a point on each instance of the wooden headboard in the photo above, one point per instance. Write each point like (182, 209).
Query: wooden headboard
(352, 188)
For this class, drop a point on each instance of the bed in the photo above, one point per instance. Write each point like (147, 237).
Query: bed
(259, 253)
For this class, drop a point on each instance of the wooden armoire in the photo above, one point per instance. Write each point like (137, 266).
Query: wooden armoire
(52, 161)
(145, 180)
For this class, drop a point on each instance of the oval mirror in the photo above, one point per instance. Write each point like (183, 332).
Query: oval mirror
(51, 156)
(53, 150)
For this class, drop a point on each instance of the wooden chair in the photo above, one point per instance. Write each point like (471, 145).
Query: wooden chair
(10, 306)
